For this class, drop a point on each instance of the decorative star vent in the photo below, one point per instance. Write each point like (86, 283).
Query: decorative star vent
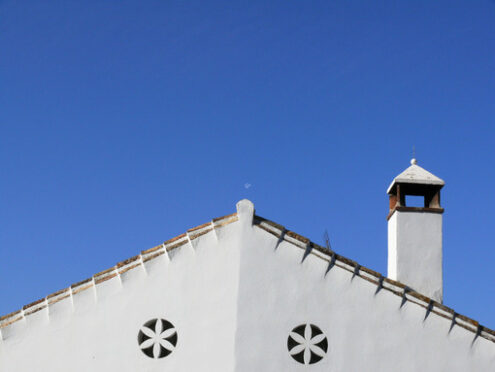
(157, 338)
(307, 344)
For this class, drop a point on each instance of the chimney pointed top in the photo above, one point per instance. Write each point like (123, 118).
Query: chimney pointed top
(414, 174)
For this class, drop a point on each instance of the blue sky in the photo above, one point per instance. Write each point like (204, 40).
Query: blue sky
(125, 123)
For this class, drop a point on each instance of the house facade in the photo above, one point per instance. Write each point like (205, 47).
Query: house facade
(242, 293)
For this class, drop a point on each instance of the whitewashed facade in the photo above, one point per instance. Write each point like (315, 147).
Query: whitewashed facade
(241, 293)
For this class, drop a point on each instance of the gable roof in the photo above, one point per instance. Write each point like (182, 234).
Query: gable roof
(331, 257)
(416, 174)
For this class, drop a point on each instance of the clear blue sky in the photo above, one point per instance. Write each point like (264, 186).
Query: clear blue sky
(125, 123)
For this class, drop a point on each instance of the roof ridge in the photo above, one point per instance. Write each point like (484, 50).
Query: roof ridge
(382, 282)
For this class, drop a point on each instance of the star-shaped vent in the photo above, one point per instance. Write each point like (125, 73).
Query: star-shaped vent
(157, 338)
(307, 344)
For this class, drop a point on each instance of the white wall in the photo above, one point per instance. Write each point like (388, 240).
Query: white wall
(196, 290)
(234, 295)
(415, 251)
(366, 330)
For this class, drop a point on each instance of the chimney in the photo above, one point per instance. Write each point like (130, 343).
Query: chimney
(415, 232)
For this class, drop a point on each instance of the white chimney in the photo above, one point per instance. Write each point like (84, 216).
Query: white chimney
(415, 232)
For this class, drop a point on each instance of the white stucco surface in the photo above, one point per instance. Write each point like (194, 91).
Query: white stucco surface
(415, 251)
(96, 331)
(234, 294)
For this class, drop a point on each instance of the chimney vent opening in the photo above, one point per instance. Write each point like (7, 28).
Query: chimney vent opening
(415, 201)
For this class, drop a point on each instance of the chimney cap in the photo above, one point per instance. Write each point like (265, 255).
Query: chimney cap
(414, 174)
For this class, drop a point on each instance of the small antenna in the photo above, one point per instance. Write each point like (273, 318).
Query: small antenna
(327, 240)
(413, 160)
